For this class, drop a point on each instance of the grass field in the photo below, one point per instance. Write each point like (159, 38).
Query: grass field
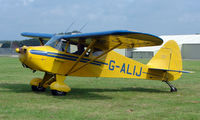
(98, 98)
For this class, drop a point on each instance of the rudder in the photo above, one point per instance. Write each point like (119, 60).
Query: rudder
(168, 59)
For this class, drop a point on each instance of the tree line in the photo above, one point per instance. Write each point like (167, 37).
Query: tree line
(30, 42)
(15, 44)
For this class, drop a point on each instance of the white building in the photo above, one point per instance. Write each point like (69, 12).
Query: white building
(189, 45)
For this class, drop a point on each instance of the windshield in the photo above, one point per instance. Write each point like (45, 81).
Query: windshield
(57, 43)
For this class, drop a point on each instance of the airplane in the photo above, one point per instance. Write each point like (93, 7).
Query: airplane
(57, 62)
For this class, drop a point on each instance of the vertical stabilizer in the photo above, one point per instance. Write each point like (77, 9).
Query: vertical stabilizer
(168, 59)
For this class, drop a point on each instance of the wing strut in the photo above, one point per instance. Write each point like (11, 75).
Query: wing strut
(92, 60)
(80, 57)
(41, 42)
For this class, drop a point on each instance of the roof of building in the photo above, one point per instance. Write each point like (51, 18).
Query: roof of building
(180, 39)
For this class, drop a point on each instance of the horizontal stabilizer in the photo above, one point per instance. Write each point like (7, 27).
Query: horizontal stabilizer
(180, 71)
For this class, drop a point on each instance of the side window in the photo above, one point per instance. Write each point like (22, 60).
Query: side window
(73, 48)
(60, 45)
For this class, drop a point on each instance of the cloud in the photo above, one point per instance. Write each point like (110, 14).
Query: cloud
(27, 2)
(6, 4)
(50, 16)
(189, 18)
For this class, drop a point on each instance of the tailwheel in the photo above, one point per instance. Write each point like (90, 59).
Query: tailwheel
(58, 93)
(37, 88)
(173, 89)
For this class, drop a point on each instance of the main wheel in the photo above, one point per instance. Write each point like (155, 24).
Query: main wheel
(37, 88)
(173, 89)
(58, 93)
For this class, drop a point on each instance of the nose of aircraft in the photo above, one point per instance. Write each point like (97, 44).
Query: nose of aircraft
(21, 49)
(22, 54)
(17, 50)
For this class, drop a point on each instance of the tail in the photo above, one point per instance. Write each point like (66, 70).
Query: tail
(167, 62)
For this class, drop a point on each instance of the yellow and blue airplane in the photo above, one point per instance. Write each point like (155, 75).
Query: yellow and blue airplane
(55, 59)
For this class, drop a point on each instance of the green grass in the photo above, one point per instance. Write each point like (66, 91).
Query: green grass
(98, 98)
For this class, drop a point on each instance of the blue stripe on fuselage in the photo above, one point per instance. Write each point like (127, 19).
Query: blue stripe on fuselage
(66, 57)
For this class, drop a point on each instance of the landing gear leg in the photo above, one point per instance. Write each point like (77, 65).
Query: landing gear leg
(173, 89)
(59, 88)
(38, 84)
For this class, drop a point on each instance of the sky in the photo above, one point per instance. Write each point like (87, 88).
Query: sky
(158, 17)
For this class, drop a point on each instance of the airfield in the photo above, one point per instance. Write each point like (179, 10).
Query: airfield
(99, 98)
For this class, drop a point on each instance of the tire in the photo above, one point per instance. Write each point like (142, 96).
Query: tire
(58, 93)
(37, 88)
(173, 89)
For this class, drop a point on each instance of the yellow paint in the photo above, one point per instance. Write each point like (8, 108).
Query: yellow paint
(17, 50)
(168, 58)
(128, 41)
(35, 81)
(59, 84)
(114, 65)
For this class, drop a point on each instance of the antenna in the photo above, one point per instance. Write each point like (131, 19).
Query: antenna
(83, 26)
(69, 26)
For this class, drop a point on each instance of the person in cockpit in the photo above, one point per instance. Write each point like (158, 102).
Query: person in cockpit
(97, 52)
(80, 47)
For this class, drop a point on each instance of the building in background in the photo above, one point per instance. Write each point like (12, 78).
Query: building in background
(189, 45)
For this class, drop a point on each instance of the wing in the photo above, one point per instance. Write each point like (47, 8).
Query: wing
(44, 36)
(108, 39)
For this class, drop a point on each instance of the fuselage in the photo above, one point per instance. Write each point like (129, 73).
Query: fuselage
(55, 58)
(48, 59)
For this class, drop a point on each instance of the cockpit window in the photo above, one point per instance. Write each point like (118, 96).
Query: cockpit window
(57, 43)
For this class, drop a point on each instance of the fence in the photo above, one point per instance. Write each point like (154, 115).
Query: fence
(142, 54)
(7, 51)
